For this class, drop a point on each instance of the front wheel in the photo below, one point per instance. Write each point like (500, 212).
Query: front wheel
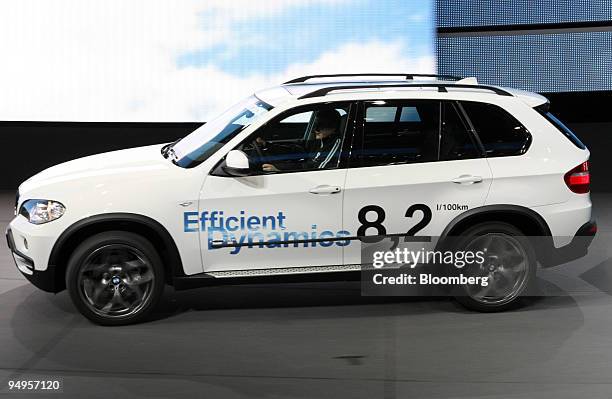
(115, 278)
(509, 266)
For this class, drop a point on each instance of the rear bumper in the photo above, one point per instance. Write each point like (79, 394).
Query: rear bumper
(576, 249)
(43, 279)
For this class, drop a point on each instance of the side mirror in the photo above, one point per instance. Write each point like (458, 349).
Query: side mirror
(237, 164)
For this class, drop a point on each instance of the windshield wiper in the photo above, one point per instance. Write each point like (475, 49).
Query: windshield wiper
(165, 149)
(172, 153)
(169, 153)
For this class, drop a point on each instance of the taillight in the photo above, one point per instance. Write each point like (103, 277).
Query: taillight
(578, 179)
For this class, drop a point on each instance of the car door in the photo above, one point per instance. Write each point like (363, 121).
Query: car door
(288, 218)
(415, 166)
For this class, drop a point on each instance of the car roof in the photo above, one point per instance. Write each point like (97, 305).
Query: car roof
(322, 87)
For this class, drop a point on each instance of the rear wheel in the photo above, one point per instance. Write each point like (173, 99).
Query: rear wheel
(115, 278)
(509, 266)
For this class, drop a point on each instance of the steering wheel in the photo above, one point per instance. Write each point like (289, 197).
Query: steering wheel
(257, 149)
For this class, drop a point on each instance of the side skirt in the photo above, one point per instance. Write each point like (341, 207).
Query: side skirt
(269, 276)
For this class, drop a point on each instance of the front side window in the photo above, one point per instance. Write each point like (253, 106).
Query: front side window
(399, 133)
(302, 140)
(210, 137)
(500, 133)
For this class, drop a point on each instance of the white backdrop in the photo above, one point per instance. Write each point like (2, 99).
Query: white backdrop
(145, 60)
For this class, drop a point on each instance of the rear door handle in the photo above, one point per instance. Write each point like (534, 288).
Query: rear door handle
(325, 189)
(467, 179)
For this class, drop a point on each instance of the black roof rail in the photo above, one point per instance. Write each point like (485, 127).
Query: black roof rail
(407, 76)
(442, 87)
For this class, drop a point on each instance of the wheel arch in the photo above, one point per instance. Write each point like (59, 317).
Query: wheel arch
(152, 230)
(527, 220)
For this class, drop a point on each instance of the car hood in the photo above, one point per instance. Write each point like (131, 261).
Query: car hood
(133, 160)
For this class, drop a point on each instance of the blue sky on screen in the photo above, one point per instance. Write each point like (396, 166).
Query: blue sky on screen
(270, 44)
(162, 60)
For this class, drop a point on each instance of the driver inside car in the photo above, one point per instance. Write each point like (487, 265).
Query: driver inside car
(325, 148)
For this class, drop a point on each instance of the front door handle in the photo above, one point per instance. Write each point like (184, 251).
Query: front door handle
(467, 179)
(325, 189)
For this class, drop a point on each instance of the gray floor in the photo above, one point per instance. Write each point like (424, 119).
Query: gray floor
(319, 341)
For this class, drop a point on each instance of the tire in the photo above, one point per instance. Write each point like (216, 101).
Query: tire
(509, 276)
(115, 278)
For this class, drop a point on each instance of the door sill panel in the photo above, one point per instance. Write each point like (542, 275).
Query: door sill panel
(284, 271)
(270, 276)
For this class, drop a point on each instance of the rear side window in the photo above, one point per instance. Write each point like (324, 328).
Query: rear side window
(500, 133)
(455, 139)
(397, 133)
(567, 132)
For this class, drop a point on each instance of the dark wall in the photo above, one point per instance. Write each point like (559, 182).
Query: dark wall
(598, 138)
(589, 115)
(582, 107)
(26, 148)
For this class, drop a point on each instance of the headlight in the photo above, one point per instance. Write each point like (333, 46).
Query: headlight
(39, 211)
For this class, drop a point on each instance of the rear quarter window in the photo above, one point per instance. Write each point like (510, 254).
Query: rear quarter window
(566, 131)
(501, 134)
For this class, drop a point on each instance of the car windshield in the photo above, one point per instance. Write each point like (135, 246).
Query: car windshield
(206, 140)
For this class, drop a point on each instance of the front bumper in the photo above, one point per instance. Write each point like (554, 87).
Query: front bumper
(43, 279)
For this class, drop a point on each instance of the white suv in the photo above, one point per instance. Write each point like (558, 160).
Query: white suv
(284, 185)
